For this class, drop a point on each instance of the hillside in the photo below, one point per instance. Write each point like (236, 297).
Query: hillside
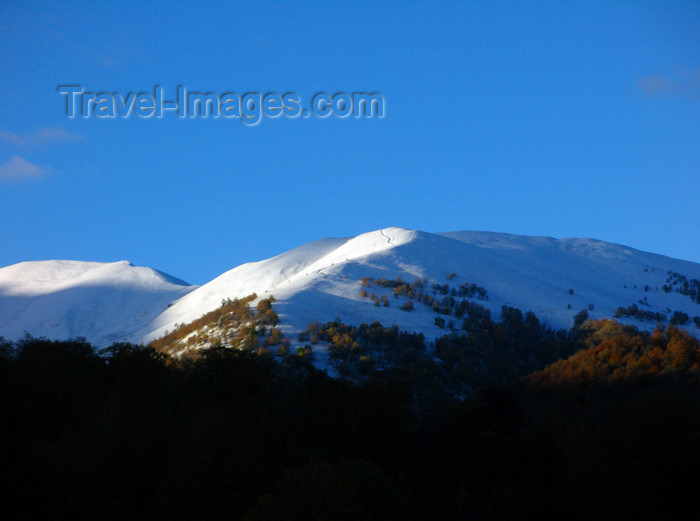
(610, 432)
(555, 279)
(103, 302)
(324, 280)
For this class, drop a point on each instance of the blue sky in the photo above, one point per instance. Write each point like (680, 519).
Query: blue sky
(537, 118)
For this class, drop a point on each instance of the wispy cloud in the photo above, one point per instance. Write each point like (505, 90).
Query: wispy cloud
(40, 138)
(114, 51)
(19, 169)
(682, 83)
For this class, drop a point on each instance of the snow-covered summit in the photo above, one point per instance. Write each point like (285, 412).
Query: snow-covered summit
(104, 302)
(322, 280)
(555, 278)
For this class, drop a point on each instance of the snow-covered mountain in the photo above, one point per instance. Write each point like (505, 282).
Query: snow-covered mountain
(104, 302)
(322, 280)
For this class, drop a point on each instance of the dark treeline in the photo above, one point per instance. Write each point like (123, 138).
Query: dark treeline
(611, 432)
(482, 353)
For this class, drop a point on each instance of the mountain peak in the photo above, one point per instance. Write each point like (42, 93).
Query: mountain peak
(103, 301)
(323, 280)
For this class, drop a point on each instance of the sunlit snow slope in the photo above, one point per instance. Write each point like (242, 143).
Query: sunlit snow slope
(104, 302)
(322, 280)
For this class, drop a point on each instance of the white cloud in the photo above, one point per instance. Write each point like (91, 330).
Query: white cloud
(18, 169)
(40, 138)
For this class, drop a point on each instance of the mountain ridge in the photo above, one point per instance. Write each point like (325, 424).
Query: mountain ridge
(103, 302)
(322, 280)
